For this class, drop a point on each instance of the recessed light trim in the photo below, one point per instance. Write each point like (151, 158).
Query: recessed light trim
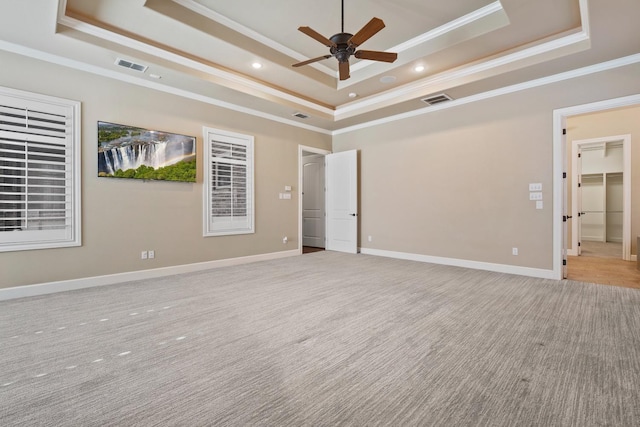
(418, 68)
(256, 65)
(353, 95)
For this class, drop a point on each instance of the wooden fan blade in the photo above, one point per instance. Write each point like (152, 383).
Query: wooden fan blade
(366, 32)
(317, 36)
(309, 61)
(344, 70)
(375, 55)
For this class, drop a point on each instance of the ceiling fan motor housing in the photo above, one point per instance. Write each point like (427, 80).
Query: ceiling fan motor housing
(342, 50)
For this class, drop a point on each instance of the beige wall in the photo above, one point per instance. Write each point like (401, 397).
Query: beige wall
(120, 218)
(454, 183)
(611, 123)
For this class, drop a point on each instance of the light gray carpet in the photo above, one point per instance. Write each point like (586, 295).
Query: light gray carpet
(324, 339)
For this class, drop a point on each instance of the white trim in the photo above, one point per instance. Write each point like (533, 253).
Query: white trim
(626, 191)
(568, 75)
(575, 41)
(560, 162)
(126, 78)
(113, 279)
(301, 149)
(231, 78)
(476, 265)
(460, 25)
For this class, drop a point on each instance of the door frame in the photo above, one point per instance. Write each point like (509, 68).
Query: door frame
(560, 163)
(301, 150)
(626, 190)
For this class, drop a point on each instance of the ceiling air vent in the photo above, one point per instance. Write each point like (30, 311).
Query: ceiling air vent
(300, 115)
(436, 99)
(131, 65)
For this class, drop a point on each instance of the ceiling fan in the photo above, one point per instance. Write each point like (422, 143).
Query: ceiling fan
(343, 45)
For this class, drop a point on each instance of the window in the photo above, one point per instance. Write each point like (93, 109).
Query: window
(228, 183)
(39, 171)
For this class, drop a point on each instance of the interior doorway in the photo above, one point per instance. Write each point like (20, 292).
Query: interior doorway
(603, 270)
(311, 175)
(600, 197)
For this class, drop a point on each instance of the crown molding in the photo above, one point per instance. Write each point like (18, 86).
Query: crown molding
(568, 75)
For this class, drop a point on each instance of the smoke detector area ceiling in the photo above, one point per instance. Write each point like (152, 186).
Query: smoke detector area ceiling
(205, 48)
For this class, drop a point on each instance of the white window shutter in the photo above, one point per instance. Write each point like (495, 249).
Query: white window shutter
(39, 171)
(228, 186)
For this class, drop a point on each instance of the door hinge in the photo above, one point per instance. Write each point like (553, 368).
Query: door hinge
(579, 243)
(564, 175)
(564, 218)
(579, 184)
(564, 131)
(564, 262)
(579, 155)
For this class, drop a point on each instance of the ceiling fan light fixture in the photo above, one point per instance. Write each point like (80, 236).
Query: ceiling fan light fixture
(343, 46)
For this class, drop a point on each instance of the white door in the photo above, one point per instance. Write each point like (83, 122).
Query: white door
(313, 219)
(342, 201)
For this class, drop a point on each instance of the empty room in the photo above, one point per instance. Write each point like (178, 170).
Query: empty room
(347, 212)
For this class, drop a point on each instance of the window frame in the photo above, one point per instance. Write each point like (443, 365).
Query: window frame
(39, 239)
(225, 226)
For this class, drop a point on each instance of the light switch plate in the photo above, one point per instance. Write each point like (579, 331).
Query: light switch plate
(535, 186)
(535, 196)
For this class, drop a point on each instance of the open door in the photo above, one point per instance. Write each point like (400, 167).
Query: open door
(342, 201)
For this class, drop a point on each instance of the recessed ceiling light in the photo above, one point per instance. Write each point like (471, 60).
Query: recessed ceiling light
(418, 68)
(256, 65)
(352, 95)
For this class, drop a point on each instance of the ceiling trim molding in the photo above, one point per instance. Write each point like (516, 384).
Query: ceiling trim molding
(234, 79)
(464, 74)
(456, 24)
(568, 75)
(125, 78)
(461, 75)
(235, 26)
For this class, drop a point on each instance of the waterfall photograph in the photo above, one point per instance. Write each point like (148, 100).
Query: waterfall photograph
(136, 153)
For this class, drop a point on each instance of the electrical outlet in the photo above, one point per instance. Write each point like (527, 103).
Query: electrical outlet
(152, 254)
(370, 238)
(144, 255)
(514, 251)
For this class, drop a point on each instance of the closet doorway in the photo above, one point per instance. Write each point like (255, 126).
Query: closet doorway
(601, 197)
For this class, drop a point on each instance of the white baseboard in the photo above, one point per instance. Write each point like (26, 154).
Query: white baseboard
(112, 279)
(498, 268)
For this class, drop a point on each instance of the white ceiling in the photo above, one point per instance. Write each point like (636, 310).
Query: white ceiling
(204, 48)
